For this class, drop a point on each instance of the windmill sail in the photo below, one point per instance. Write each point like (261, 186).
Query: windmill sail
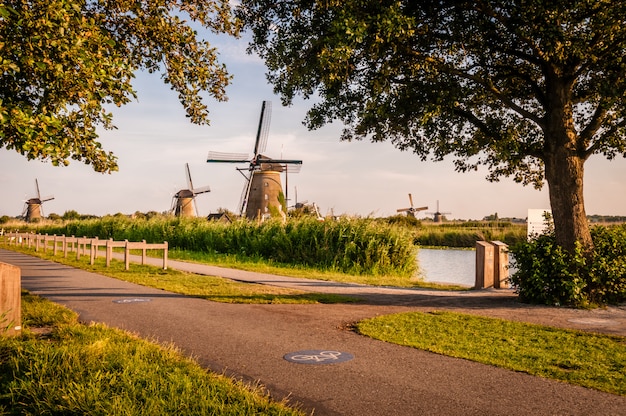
(411, 210)
(33, 207)
(260, 143)
(262, 186)
(184, 201)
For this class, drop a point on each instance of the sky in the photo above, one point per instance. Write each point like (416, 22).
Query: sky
(154, 140)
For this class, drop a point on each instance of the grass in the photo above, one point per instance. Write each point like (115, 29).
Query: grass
(206, 287)
(96, 370)
(301, 271)
(259, 265)
(350, 245)
(465, 234)
(589, 360)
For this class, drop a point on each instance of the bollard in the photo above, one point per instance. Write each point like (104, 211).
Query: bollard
(10, 300)
(484, 265)
(501, 265)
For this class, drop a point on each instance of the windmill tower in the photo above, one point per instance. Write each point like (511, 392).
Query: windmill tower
(411, 210)
(438, 216)
(184, 201)
(262, 193)
(33, 206)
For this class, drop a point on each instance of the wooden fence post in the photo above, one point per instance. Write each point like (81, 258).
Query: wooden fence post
(93, 247)
(109, 251)
(126, 255)
(165, 256)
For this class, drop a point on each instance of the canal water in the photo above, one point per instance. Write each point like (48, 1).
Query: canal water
(447, 266)
(452, 266)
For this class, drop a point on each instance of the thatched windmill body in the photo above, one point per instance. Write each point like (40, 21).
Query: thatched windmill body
(184, 201)
(262, 194)
(33, 206)
(410, 211)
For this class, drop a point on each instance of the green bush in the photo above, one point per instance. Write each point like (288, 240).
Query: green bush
(547, 274)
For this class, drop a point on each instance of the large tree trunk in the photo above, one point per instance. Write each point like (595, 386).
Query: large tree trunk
(564, 174)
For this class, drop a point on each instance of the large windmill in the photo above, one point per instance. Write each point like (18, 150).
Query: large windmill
(184, 201)
(411, 210)
(33, 206)
(262, 193)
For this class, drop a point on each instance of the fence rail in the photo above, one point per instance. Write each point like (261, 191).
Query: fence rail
(81, 245)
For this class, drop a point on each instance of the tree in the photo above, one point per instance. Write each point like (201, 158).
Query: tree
(528, 88)
(64, 62)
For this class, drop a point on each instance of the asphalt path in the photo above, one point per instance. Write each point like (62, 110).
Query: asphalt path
(250, 342)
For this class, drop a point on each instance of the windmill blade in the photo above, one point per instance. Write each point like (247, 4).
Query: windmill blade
(46, 198)
(411, 200)
(37, 187)
(195, 205)
(245, 193)
(173, 204)
(291, 168)
(264, 127)
(420, 209)
(188, 173)
(224, 157)
(201, 190)
(285, 161)
(403, 210)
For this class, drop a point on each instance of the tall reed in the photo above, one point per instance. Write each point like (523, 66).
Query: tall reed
(356, 246)
(455, 235)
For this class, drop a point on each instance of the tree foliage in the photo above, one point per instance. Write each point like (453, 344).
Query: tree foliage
(529, 89)
(63, 63)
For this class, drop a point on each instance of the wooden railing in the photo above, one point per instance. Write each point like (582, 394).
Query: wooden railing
(81, 245)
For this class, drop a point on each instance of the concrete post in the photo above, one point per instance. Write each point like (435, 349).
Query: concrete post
(501, 265)
(484, 265)
(10, 300)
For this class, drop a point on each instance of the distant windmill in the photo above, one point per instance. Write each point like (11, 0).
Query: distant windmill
(438, 216)
(33, 207)
(262, 192)
(184, 201)
(411, 210)
(299, 204)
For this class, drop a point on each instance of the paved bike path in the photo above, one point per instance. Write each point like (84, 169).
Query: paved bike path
(250, 341)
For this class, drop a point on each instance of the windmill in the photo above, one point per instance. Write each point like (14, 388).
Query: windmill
(184, 201)
(32, 207)
(411, 210)
(262, 193)
(438, 216)
(298, 204)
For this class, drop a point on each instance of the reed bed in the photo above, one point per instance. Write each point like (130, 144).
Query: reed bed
(466, 234)
(356, 246)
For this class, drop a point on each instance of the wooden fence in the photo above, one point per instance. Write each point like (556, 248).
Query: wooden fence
(81, 245)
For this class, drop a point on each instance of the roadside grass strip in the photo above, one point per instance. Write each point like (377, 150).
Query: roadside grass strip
(211, 288)
(72, 368)
(586, 359)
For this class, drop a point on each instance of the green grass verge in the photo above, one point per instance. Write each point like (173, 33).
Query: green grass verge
(206, 287)
(589, 360)
(77, 369)
(267, 266)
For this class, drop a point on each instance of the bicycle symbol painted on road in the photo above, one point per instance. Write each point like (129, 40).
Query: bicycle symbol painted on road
(318, 357)
(133, 300)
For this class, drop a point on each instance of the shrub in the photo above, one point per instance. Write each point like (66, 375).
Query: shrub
(547, 274)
